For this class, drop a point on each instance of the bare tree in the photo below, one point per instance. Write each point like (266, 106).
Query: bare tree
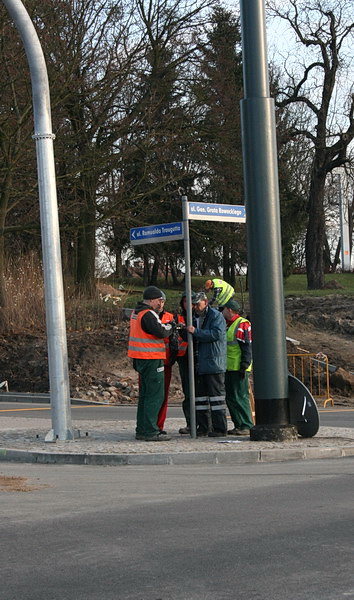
(325, 29)
(18, 209)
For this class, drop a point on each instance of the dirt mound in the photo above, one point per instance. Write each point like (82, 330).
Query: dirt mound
(323, 324)
(99, 366)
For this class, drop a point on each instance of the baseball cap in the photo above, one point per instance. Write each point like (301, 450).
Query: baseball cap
(233, 304)
(198, 296)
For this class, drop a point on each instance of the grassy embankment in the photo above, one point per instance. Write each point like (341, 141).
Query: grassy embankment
(295, 285)
(25, 312)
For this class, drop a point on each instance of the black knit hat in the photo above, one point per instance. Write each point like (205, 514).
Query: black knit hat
(152, 293)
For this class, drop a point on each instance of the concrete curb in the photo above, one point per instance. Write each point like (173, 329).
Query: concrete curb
(39, 398)
(181, 458)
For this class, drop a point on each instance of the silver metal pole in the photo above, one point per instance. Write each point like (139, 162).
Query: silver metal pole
(344, 229)
(53, 282)
(188, 279)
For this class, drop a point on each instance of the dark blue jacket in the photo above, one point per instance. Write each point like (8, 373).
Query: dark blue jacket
(211, 339)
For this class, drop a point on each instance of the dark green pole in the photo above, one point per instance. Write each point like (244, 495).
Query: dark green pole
(263, 232)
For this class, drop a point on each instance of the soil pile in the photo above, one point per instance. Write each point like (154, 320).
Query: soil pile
(100, 369)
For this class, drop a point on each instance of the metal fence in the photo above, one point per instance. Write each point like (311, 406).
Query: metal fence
(313, 371)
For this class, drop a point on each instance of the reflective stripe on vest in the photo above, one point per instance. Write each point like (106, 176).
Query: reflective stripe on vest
(166, 318)
(226, 293)
(142, 344)
(182, 344)
(233, 357)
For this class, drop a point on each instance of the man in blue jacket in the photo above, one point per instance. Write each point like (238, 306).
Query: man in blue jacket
(210, 336)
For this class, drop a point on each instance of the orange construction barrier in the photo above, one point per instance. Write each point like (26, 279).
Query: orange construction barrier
(313, 371)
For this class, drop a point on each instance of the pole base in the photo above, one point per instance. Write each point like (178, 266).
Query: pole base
(273, 433)
(65, 435)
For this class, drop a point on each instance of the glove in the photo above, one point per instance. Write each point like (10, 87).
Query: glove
(242, 373)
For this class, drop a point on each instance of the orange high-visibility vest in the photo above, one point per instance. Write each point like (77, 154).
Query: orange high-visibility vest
(182, 344)
(166, 318)
(142, 344)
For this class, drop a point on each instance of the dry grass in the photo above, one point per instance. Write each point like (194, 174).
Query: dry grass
(24, 296)
(25, 305)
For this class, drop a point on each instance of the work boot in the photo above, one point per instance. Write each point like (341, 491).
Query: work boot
(158, 438)
(202, 433)
(244, 432)
(184, 430)
(213, 434)
(232, 431)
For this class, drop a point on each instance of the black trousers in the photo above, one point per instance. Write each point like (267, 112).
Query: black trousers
(210, 403)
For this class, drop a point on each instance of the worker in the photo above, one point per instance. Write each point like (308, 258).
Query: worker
(171, 344)
(222, 291)
(238, 367)
(148, 350)
(209, 332)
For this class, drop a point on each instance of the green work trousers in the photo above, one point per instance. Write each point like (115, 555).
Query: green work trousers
(238, 399)
(184, 375)
(151, 395)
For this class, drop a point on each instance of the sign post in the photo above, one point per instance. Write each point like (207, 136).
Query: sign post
(188, 282)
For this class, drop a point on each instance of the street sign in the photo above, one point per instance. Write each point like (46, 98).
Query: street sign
(150, 234)
(204, 211)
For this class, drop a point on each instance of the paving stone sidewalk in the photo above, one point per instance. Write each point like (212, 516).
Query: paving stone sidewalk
(114, 443)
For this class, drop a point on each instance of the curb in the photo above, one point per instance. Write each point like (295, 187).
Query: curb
(40, 398)
(181, 458)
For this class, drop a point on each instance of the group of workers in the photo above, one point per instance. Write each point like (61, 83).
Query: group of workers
(222, 350)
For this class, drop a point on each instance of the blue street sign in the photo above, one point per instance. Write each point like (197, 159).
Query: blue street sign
(204, 211)
(150, 234)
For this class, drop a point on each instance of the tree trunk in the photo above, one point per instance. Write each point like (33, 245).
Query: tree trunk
(146, 274)
(233, 269)
(86, 238)
(226, 262)
(155, 271)
(86, 252)
(315, 235)
(174, 275)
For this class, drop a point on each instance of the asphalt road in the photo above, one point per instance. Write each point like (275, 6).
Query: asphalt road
(330, 416)
(248, 532)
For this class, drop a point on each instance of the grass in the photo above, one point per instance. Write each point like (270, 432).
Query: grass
(25, 310)
(295, 285)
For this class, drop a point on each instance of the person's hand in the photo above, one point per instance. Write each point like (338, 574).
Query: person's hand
(190, 328)
(242, 373)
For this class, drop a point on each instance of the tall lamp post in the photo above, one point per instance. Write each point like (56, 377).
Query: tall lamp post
(53, 282)
(263, 229)
(344, 227)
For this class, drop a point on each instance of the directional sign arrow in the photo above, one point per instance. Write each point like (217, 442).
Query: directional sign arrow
(150, 234)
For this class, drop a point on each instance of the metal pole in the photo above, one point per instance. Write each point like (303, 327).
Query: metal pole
(263, 232)
(188, 280)
(344, 229)
(53, 283)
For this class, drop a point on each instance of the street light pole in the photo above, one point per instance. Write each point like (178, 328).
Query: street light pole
(344, 228)
(53, 282)
(263, 232)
